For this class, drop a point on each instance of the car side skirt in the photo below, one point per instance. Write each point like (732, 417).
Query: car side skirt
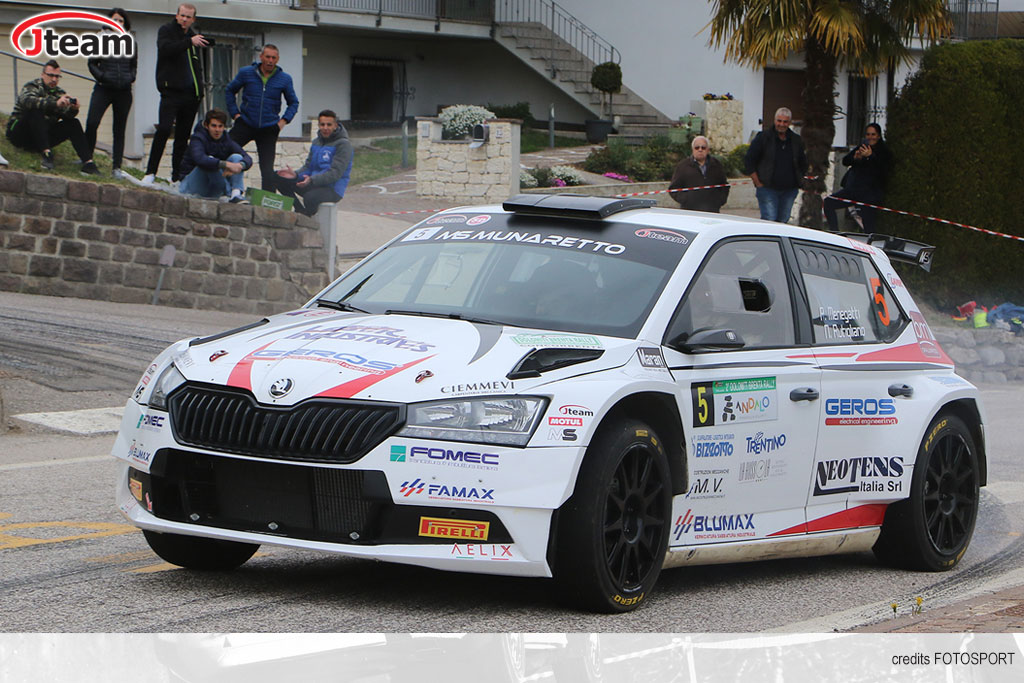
(824, 543)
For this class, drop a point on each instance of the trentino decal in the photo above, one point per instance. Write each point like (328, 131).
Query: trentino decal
(759, 443)
(866, 474)
(860, 411)
(715, 526)
(734, 401)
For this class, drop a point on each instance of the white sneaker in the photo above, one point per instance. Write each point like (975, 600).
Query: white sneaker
(3, 161)
(119, 174)
(149, 179)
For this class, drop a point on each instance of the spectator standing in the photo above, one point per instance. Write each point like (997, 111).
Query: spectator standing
(263, 84)
(776, 162)
(114, 77)
(700, 168)
(865, 181)
(214, 164)
(179, 79)
(324, 176)
(45, 116)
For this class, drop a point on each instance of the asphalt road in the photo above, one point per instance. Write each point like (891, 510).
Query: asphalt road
(72, 564)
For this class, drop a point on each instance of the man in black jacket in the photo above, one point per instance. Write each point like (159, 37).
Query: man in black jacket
(179, 79)
(776, 162)
(697, 170)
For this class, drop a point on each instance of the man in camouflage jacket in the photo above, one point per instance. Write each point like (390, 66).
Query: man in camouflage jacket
(45, 116)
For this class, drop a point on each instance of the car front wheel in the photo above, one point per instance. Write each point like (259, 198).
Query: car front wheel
(613, 531)
(930, 530)
(194, 552)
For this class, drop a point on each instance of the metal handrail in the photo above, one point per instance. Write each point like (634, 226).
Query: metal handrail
(14, 69)
(591, 48)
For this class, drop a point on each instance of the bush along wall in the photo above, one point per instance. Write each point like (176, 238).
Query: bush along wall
(955, 131)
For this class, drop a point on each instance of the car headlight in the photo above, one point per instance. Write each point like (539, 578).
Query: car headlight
(508, 421)
(169, 380)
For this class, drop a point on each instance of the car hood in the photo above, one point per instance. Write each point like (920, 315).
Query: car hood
(329, 354)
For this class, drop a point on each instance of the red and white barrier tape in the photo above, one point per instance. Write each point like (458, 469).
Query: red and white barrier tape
(927, 218)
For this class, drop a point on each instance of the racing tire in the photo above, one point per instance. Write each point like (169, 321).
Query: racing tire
(194, 552)
(580, 661)
(495, 657)
(613, 531)
(930, 530)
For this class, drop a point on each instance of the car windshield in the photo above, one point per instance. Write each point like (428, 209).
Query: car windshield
(598, 278)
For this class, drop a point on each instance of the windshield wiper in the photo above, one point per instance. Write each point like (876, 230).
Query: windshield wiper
(449, 316)
(338, 306)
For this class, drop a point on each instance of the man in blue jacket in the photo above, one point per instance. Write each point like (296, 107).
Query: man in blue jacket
(324, 176)
(214, 164)
(262, 85)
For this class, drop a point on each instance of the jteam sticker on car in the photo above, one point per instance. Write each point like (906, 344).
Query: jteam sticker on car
(866, 474)
(738, 400)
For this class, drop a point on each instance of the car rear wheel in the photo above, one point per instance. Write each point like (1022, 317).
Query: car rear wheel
(613, 531)
(930, 531)
(194, 552)
(580, 661)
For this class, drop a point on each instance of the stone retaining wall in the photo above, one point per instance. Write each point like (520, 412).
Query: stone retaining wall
(983, 355)
(61, 237)
(454, 171)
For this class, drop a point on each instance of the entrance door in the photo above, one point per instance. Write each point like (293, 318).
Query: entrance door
(372, 91)
(783, 88)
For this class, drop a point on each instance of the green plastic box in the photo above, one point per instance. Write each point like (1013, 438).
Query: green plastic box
(270, 200)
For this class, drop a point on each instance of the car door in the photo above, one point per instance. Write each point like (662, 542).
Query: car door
(865, 454)
(750, 413)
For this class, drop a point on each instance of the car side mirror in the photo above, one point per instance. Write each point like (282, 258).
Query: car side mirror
(708, 340)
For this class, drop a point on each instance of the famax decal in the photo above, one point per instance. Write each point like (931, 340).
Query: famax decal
(437, 527)
(493, 551)
(860, 411)
(734, 401)
(138, 453)
(864, 474)
(710, 527)
(369, 334)
(470, 494)
(45, 40)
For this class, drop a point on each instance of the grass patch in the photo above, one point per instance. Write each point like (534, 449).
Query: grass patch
(382, 160)
(533, 140)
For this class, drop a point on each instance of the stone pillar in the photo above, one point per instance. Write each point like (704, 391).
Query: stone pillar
(723, 123)
(457, 171)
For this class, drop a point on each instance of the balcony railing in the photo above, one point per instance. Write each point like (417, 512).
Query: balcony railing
(974, 19)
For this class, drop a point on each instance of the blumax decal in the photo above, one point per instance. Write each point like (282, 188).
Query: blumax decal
(714, 526)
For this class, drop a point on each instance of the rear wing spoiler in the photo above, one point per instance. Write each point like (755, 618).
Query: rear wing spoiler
(897, 248)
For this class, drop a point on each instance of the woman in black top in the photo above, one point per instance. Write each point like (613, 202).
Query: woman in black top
(114, 78)
(865, 181)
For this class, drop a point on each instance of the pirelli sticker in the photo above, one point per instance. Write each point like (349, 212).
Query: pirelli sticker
(457, 529)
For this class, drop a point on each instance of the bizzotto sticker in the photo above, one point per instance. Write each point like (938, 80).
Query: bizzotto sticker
(734, 401)
(713, 445)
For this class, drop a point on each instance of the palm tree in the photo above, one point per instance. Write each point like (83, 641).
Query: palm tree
(865, 36)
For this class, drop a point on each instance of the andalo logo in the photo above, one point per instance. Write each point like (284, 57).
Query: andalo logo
(45, 40)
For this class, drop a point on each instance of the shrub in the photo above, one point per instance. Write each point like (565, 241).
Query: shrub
(733, 161)
(954, 131)
(526, 180)
(556, 176)
(519, 110)
(457, 121)
(568, 175)
(655, 160)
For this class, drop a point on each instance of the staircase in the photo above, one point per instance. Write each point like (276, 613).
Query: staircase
(555, 44)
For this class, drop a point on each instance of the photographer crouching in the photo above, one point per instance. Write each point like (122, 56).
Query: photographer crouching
(44, 116)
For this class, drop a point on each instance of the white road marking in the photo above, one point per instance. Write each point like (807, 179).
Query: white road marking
(88, 422)
(52, 463)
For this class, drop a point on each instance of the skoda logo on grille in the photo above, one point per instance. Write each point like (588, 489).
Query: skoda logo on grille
(281, 387)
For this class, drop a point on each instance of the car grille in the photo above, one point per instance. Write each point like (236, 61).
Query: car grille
(231, 420)
(297, 501)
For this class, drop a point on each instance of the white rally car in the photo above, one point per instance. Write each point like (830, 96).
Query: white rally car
(571, 387)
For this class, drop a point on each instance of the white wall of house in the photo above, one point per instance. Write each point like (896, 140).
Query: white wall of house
(443, 72)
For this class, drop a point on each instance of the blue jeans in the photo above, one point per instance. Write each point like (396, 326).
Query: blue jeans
(775, 205)
(211, 184)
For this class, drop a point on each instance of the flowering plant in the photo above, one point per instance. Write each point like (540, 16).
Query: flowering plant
(713, 96)
(617, 176)
(458, 120)
(568, 175)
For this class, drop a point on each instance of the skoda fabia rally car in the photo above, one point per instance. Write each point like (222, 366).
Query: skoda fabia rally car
(572, 387)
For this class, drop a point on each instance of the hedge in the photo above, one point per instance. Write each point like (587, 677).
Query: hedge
(956, 132)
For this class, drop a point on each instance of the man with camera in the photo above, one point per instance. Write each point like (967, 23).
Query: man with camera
(45, 116)
(179, 78)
